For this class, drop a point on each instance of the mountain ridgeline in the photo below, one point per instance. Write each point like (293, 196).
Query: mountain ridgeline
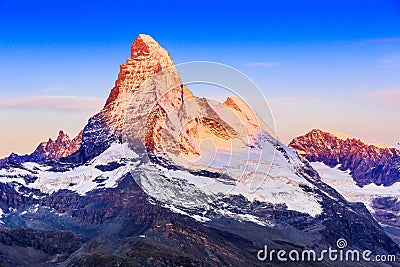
(367, 163)
(111, 203)
(61, 147)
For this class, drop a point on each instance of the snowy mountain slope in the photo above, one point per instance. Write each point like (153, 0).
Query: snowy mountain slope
(81, 179)
(281, 187)
(345, 185)
(193, 176)
(381, 201)
(314, 211)
(367, 163)
(172, 128)
(360, 172)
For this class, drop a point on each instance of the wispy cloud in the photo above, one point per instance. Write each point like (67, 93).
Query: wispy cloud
(51, 89)
(265, 64)
(389, 98)
(376, 41)
(285, 101)
(382, 40)
(57, 103)
(393, 61)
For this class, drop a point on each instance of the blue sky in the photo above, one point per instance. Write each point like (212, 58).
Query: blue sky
(331, 65)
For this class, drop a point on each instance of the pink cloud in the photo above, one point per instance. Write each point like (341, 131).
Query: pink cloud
(390, 98)
(284, 101)
(262, 64)
(59, 103)
(382, 40)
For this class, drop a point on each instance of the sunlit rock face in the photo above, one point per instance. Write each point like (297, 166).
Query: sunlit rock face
(150, 104)
(367, 163)
(147, 58)
(51, 149)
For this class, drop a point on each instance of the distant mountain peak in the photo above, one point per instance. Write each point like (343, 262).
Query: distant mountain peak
(61, 147)
(367, 163)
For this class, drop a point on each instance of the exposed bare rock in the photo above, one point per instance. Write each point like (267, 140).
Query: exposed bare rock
(150, 104)
(147, 58)
(367, 163)
(62, 147)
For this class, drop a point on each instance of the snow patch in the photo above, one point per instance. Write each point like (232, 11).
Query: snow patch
(346, 186)
(81, 179)
(256, 178)
(179, 211)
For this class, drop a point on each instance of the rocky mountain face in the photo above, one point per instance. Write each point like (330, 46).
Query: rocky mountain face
(361, 172)
(63, 146)
(141, 191)
(367, 163)
(147, 58)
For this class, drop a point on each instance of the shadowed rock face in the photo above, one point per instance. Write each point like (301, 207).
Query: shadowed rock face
(367, 163)
(147, 59)
(150, 104)
(122, 224)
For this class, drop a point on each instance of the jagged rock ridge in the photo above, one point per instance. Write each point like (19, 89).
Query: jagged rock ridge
(61, 147)
(367, 163)
(130, 211)
(147, 58)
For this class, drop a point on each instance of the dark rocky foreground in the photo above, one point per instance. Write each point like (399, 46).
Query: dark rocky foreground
(122, 227)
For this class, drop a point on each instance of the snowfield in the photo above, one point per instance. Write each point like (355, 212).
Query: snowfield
(81, 179)
(345, 185)
(273, 182)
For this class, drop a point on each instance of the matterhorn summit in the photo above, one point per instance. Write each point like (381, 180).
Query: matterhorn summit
(165, 178)
(147, 58)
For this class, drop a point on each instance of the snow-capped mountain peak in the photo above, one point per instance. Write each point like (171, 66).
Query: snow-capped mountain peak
(147, 58)
(367, 163)
(159, 162)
